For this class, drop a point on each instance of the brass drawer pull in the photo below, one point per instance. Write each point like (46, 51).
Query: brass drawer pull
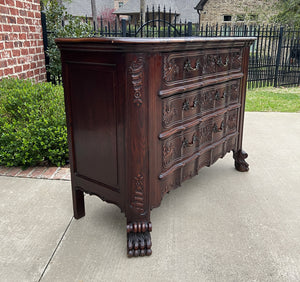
(186, 143)
(218, 129)
(220, 62)
(218, 96)
(188, 66)
(186, 105)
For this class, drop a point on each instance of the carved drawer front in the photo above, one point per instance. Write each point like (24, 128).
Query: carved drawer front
(184, 107)
(232, 120)
(193, 66)
(190, 166)
(189, 170)
(187, 142)
(234, 93)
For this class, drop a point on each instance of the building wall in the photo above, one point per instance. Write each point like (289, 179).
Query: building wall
(21, 40)
(251, 10)
(119, 3)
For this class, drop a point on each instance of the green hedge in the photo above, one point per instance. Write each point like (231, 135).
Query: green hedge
(32, 124)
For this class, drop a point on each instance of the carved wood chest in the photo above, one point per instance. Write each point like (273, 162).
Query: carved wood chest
(144, 115)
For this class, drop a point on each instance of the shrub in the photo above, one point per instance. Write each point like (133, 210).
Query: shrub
(32, 124)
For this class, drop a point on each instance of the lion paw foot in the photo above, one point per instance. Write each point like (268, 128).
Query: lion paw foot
(240, 163)
(139, 239)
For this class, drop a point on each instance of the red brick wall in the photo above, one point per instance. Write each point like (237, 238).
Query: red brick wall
(21, 40)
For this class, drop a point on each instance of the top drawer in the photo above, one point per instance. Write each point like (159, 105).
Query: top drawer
(187, 70)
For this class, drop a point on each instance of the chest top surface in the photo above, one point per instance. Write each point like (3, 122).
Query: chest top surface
(152, 44)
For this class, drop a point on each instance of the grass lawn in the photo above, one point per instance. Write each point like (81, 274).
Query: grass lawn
(270, 99)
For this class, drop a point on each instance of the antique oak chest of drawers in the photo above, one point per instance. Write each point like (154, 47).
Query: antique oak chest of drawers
(144, 115)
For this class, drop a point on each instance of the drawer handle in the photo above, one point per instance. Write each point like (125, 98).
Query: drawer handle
(220, 62)
(186, 143)
(196, 102)
(218, 96)
(218, 129)
(188, 66)
(186, 105)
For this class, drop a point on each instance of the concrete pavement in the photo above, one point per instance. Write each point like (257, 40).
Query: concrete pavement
(222, 225)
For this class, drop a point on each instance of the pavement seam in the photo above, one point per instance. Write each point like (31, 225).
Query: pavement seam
(56, 248)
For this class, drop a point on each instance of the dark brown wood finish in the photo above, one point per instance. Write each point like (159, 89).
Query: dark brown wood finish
(144, 115)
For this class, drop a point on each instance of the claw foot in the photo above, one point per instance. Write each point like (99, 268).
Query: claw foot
(240, 163)
(139, 239)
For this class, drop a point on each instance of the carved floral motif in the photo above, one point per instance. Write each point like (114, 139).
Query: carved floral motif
(137, 76)
(235, 91)
(209, 65)
(206, 134)
(236, 60)
(168, 115)
(168, 151)
(170, 69)
(137, 200)
(232, 120)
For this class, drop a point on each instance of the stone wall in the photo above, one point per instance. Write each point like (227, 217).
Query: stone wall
(21, 40)
(248, 11)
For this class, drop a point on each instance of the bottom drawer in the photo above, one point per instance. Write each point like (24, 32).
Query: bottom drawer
(188, 168)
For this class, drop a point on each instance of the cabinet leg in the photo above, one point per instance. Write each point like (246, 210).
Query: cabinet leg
(139, 239)
(78, 203)
(239, 160)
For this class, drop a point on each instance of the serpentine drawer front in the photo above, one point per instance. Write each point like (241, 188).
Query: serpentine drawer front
(143, 115)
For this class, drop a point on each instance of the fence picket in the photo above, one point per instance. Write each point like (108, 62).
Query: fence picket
(274, 57)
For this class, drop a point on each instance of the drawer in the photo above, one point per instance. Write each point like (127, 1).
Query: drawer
(188, 67)
(187, 142)
(189, 167)
(194, 104)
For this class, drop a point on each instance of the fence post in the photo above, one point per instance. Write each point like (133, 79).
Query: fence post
(278, 56)
(190, 29)
(123, 28)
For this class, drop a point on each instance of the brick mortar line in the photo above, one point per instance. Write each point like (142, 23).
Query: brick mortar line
(29, 175)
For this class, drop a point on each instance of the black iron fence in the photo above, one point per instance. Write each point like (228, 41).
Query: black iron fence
(274, 57)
